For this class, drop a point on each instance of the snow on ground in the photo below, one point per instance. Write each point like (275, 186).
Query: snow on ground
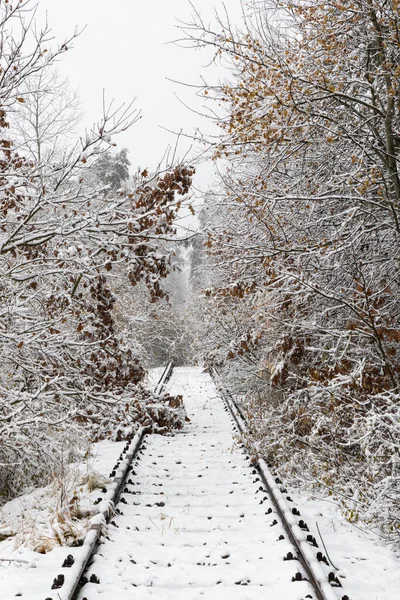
(194, 525)
(183, 529)
(369, 569)
(40, 523)
(153, 377)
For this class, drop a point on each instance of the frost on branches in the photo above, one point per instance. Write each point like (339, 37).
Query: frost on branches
(68, 237)
(304, 242)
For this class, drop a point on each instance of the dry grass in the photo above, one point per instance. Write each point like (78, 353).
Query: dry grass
(58, 515)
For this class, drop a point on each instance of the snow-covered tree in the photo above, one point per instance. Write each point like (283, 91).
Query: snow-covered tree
(305, 260)
(65, 234)
(113, 168)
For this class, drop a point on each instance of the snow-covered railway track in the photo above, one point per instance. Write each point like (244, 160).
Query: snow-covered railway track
(296, 528)
(195, 520)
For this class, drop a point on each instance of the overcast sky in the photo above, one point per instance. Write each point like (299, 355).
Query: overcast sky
(124, 49)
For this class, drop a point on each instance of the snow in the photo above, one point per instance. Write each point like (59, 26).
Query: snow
(369, 570)
(193, 526)
(34, 515)
(153, 377)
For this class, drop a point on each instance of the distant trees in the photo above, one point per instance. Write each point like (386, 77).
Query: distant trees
(69, 230)
(113, 169)
(305, 258)
(164, 330)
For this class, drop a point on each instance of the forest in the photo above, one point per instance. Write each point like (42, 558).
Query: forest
(292, 291)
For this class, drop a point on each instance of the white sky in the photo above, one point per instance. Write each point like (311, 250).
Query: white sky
(124, 50)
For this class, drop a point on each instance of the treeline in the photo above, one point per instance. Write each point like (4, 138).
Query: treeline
(302, 241)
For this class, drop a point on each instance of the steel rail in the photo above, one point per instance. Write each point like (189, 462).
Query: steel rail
(309, 561)
(164, 378)
(67, 583)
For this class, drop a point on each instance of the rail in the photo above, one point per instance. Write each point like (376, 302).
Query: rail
(67, 583)
(323, 583)
(164, 378)
(326, 586)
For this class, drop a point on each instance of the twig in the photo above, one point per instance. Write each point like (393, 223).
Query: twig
(18, 560)
(326, 551)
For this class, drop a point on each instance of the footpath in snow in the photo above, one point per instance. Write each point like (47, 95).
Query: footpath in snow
(193, 526)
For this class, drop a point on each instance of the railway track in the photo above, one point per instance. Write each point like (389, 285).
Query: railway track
(305, 544)
(193, 518)
(67, 583)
